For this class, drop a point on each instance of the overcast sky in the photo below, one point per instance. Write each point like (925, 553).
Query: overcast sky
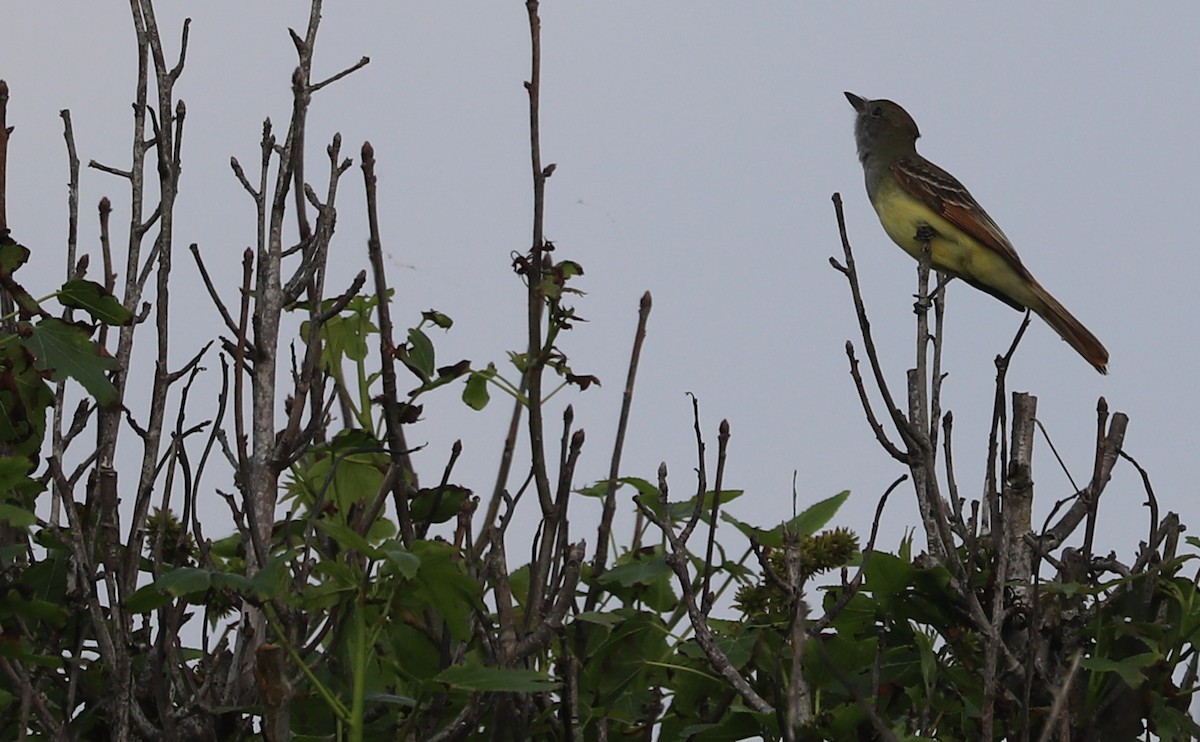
(698, 145)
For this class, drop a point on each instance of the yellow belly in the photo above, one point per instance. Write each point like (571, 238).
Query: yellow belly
(952, 250)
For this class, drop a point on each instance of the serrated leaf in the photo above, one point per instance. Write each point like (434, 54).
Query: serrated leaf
(95, 300)
(66, 350)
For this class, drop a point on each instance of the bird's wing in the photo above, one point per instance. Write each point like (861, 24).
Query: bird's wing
(942, 192)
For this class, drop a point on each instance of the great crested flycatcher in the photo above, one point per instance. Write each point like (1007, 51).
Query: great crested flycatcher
(910, 193)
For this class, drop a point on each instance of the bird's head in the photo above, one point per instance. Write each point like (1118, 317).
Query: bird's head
(882, 125)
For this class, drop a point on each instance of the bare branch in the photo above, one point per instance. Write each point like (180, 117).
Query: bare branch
(363, 62)
(864, 324)
(677, 559)
(599, 561)
(397, 447)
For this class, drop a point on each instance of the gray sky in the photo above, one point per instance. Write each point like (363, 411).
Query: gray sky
(697, 144)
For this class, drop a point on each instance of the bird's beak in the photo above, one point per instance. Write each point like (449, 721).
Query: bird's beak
(860, 104)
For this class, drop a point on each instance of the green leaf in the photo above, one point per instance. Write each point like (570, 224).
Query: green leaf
(597, 490)
(373, 697)
(475, 678)
(645, 489)
(24, 399)
(608, 620)
(569, 268)
(419, 657)
(475, 393)
(518, 584)
(638, 572)
(17, 516)
(95, 300)
(231, 581)
(520, 361)
(804, 524)
(443, 583)
(420, 355)
(227, 547)
(1130, 669)
(14, 602)
(184, 581)
(344, 336)
(347, 538)
(147, 600)
(270, 581)
(437, 318)
(682, 510)
(405, 562)
(929, 661)
(65, 350)
(14, 476)
(19, 649)
(1171, 723)
(12, 256)
(438, 504)
(14, 552)
(887, 575)
(816, 516)
(349, 469)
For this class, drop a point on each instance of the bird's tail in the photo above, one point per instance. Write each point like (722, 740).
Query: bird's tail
(1071, 330)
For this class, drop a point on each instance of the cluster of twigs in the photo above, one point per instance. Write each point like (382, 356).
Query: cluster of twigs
(154, 688)
(996, 537)
(126, 564)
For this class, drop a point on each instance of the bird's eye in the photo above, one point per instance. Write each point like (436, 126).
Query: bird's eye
(877, 111)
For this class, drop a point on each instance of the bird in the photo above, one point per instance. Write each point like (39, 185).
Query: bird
(915, 199)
